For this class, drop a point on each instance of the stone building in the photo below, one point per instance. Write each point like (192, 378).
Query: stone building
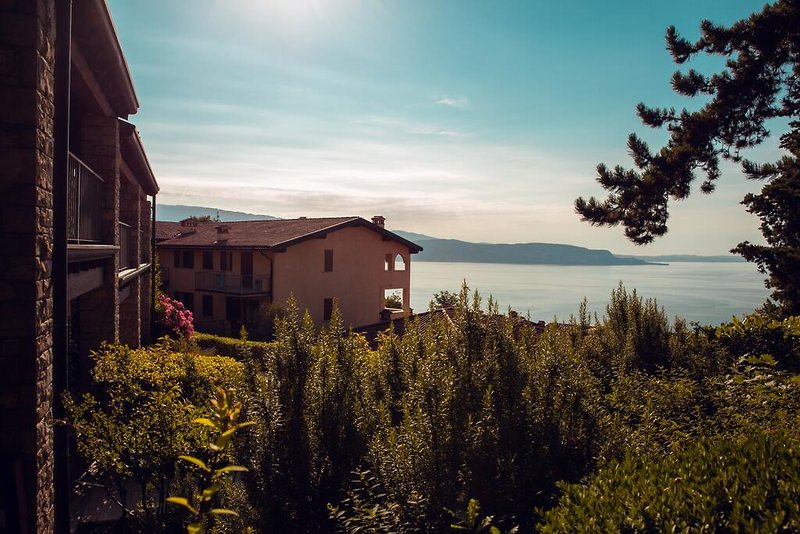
(76, 224)
(226, 272)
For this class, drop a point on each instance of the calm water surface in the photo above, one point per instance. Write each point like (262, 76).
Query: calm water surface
(709, 293)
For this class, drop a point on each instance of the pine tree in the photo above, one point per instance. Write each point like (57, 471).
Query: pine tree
(761, 81)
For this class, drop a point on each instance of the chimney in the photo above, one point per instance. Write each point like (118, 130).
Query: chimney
(379, 220)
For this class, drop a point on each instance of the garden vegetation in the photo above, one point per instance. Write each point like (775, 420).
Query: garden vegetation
(475, 420)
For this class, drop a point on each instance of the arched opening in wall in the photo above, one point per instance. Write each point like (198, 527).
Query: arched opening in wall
(387, 262)
(399, 263)
(393, 298)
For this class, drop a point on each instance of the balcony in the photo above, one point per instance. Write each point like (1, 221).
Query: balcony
(231, 283)
(84, 203)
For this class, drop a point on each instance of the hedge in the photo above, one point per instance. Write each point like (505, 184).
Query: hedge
(230, 346)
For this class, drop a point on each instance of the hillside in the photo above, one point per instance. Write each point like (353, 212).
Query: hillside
(689, 258)
(177, 212)
(453, 250)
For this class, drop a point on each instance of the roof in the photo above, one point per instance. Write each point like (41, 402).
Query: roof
(134, 154)
(273, 234)
(94, 31)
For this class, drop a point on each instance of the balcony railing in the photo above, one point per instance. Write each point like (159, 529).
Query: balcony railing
(127, 250)
(225, 282)
(84, 203)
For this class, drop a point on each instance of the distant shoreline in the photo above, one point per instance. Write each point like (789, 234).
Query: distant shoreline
(456, 251)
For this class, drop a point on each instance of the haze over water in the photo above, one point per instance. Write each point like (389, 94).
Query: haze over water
(709, 293)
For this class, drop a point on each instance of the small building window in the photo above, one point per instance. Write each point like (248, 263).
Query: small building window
(208, 305)
(187, 261)
(399, 263)
(327, 309)
(225, 260)
(176, 259)
(208, 260)
(388, 264)
(393, 298)
(328, 260)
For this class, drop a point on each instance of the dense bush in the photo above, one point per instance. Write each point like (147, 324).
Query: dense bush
(476, 405)
(748, 485)
(137, 420)
(232, 347)
(759, 339)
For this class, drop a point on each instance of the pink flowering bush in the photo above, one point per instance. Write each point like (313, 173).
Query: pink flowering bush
(173, 318)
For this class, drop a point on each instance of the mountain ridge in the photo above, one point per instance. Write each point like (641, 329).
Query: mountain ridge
(454, 250)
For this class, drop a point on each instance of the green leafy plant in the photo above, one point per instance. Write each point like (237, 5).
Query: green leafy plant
(224, 422)
(471, 520)
(747, 485)
(136, 421)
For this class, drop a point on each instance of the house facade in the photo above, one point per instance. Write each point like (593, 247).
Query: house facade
(76, 197)
(227, 272)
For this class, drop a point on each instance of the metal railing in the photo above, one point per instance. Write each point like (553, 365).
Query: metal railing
(84, 203)
(225, 282)
(127, 249)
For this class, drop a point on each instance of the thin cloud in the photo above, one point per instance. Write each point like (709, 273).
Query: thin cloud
(460, 102)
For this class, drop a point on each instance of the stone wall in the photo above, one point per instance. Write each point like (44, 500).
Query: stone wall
(99, 309)
(27, 54)
(130, 316)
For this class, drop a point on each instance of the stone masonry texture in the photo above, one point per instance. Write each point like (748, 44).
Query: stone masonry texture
(27, 38)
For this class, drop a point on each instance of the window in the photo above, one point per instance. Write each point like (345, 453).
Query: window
(188, 301)
(399, 263)
(327, 309)
(328, 260)
(208, 305)
(387, 262)
(393, 298)
(208, 260)
(184, 259)
(176, 258)
(225, 261)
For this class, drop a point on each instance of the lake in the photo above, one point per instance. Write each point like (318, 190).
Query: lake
(709, 293)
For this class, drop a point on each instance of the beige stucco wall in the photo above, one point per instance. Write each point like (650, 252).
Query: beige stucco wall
(358, 279)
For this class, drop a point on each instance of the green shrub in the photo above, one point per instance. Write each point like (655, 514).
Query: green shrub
(748, 485)
(759, 339)
(231, 347)
(137, 420)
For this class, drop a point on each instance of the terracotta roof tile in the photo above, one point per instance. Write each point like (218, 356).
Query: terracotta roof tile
(274, 233)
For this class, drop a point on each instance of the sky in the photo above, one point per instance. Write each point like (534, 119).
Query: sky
(480, 121)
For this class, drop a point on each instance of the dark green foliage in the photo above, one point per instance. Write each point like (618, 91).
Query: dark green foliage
(229, 346)
(444, 299)
(759, 339)
(748, 485)
(138, 420)
(478, 406)
(367, 508)
(761, 81)
(214, 468)
(262, 326)
(471, 520)
(394, 300)
(778, 207)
